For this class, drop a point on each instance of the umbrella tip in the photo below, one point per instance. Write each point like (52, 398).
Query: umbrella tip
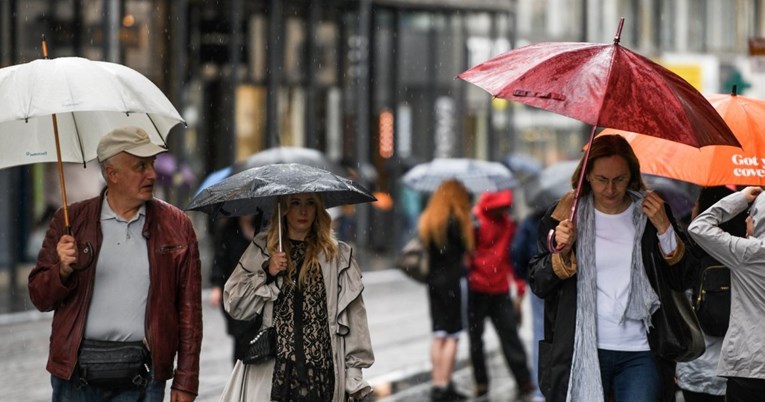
(733, 90)
(618, 36)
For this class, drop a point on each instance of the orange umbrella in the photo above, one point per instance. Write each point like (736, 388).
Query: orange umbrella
(712, 165)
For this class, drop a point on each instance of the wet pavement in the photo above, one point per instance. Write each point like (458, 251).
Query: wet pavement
(399, 327)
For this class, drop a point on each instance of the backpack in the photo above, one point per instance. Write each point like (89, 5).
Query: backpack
(711, 300)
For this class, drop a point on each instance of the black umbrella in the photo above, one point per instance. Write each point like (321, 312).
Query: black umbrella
(680, 195)
(549, 185)
(257, 189)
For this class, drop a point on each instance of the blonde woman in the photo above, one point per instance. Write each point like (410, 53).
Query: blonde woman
(311, 293)
(445, 227)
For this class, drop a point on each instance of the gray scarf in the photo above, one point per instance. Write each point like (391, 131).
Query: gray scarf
(642, 301)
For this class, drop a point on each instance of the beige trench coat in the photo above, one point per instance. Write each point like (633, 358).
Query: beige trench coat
(246, 294)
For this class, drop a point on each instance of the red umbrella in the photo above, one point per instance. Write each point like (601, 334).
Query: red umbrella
(603, 85)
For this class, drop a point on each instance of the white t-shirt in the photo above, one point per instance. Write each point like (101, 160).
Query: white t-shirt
(614, 237)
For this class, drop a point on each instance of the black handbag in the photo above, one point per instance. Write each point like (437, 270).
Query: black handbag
(711, 300)
(254, 343)
(262, 347)
(243, 332)
(113, 365)
(413, 260)
(676, 334)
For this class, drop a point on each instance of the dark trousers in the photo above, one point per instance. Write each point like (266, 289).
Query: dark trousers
(741, 389)
(499, 308)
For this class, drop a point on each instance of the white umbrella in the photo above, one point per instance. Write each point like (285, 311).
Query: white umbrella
(57, 110)
(476, 175)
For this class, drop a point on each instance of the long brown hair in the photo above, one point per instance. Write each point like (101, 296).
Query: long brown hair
(602, 147)
(319, 239)
(449, 199)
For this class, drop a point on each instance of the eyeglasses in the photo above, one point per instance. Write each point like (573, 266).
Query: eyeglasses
(603, 181)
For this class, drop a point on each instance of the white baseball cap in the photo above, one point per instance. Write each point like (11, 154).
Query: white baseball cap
(132, 140)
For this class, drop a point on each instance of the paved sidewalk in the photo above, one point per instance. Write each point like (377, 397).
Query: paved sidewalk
(399, 327)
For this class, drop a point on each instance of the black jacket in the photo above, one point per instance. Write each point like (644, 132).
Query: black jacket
(557, 347)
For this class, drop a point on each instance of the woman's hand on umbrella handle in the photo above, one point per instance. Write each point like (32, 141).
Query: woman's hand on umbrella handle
(564, 236)
(751, 192)
(278, 263)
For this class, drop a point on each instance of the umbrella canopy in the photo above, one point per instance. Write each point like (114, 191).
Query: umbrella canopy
(247, 192)
(549, 185)
(305, 156)
(679, 195)
(603, 85)
(523, 166)
(57, 110)
(88, 98)
(712, 165)
(476, 175)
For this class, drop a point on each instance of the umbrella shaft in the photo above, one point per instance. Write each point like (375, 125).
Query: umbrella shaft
(61, 180)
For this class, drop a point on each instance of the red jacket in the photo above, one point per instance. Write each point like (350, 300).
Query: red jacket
(491, 268)
(173, 309)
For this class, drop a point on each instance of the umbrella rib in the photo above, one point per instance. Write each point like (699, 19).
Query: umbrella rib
(79, 139)
(157, 130)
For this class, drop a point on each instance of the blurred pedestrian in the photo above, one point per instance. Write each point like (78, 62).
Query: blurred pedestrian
(524, 247)
(489, 295)
(446, 230)
(311, 293)
(126, 278)
(742, 358)
(231, 240)
(698, 379)
(599, 298)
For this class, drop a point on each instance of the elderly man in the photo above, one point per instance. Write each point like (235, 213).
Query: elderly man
(124, 283)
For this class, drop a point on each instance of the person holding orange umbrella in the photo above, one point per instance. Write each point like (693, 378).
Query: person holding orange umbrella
(601, 290)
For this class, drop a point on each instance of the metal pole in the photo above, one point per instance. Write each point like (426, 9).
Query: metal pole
(362, 113)
(111, 31)
(234, 50)
(275, 43)
(177, 20)
(311, 131)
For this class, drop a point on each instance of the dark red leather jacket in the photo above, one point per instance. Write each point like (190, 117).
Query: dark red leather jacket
(173, 309)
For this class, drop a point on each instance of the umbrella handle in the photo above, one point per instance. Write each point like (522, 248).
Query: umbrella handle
(555, 249)
(279, 211)
(572, 214)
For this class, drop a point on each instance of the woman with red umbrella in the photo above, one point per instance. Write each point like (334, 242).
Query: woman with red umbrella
(599, 290)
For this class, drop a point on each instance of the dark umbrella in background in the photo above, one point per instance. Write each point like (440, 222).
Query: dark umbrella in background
(247, 192)
(549, 185)
(523, 166)
(603, 85)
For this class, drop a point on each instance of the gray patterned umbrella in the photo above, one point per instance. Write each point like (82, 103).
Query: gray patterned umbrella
(476, 175)
(258, 188)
